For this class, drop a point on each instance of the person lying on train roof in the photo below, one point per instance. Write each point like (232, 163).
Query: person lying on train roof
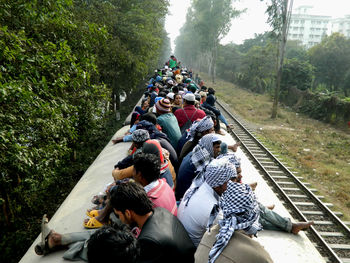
(162, 237)
(135, 118)
(206, 150)
(200, 201)
(138, 139)
(168, 121)
(101, 245)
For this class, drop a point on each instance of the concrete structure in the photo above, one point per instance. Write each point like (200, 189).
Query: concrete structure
(309, 29)
(342, 25)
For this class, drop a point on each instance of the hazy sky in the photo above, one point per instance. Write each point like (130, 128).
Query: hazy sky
(254, 19)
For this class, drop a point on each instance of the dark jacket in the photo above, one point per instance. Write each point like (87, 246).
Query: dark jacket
(164, 239)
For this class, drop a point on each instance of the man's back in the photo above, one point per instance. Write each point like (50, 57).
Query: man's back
(170, 127)
(189, 112)
(195, 215)
(164, 239)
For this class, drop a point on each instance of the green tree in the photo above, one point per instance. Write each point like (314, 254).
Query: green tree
(331, 59)
(207, 22)
(297, 73)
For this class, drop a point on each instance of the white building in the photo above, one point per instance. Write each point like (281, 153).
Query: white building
(310, 29)
(341, 25)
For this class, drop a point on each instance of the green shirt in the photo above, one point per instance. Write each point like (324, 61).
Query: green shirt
(170, 127)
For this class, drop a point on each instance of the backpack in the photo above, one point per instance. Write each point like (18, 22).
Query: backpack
(188, 123)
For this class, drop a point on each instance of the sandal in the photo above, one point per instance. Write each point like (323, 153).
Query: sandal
(43, 248)
(92, 213)
(93, 223)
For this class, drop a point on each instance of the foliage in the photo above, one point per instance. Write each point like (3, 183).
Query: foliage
(295, 49)
(61, 61)
(331, 59)
(296, 73)
(207, 22)
(258, 40)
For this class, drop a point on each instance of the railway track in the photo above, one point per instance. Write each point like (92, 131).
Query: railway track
(330, 234)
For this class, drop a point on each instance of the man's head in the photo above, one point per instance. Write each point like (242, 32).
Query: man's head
(202, 128)
(163, 106)
(113, 244)
(139, 137)
(211, 142)
(218, 173)
(130, 200)
(146, 168)
(149, 116)
(189, 99)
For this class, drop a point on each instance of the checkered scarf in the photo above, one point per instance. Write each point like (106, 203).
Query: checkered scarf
(203, 153)
(241, 211)
(200, 126)
(216, 173)
(232, 158)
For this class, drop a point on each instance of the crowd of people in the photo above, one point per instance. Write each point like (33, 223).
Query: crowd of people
(178, 196)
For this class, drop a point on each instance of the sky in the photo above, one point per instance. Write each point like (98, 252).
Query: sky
(253, 20)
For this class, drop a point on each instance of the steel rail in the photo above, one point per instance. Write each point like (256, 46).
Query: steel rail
(331, 253)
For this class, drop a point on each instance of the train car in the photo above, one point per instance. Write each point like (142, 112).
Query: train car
(282, 247)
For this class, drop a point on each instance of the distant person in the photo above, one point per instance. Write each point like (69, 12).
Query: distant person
(186, 116)
(172, 63)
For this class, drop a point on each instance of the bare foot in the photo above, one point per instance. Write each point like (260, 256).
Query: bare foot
(296, 227)
(271, 207)
(234, 147)
(253, 185)
(54, 239)
(220, 132)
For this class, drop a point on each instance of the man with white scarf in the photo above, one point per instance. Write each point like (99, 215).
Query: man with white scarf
(201, 200)
(206, 150)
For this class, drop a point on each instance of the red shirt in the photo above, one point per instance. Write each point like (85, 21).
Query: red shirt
(163, 196)
(190, 110)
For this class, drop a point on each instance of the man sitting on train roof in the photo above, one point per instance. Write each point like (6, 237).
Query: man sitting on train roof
(207, 149)
(189, 113)
(153, 147)
(201, 200)
(147, 173)
(110, 243)
(192, 136)
(162, 237)
(168, 121)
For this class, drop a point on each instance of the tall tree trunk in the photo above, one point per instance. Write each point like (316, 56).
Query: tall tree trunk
(213, 68)
(282, 47)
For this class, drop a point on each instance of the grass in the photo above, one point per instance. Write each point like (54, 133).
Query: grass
(319, 152)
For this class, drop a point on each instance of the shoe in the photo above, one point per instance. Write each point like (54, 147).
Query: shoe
(93, 223)
(92, 213)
